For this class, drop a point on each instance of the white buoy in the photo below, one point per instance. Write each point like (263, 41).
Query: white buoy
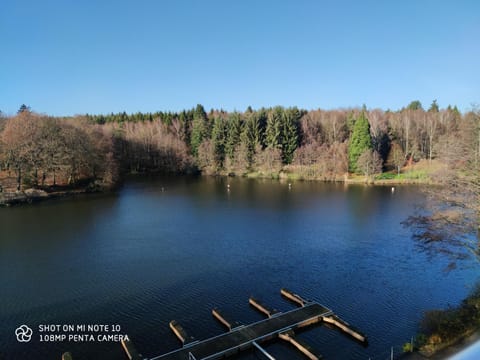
(393, 189)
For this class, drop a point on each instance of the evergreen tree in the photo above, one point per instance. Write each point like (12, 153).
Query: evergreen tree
(291, 119)
(199, 112)
(456, 111)
(199, 128)
(273, 132)
(23, 108)
(434, 107)
(185, 126)
(234, 128)
(415, 105)
(250, 137)
(359, 142)
(218, 141)
(260, 119)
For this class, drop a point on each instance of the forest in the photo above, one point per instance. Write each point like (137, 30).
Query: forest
(41, 151)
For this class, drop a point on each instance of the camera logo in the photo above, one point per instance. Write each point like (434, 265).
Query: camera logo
(23, 333)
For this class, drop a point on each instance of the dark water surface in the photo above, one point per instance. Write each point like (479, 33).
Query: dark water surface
(143, 256)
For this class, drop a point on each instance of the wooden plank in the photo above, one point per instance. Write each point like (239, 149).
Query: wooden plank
(257, 304)
(130, 350)
(345, 327)
(302, 346)
(180, 332)
(293, 297)
(220, 316)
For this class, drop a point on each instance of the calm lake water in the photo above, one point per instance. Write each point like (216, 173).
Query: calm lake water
(168, 248)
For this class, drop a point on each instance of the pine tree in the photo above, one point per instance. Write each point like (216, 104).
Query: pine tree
(199, 128)
(434, 107)
(360, 141)
(23, 108)
(199, 112)
(273, 132)
(198, 134)
(185, 127)
(291, 118)
(234, 128)
(260, 119)
(415, 105)
(250, 137)
(218, 141)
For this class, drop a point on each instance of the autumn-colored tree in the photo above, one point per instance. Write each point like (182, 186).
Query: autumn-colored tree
(21, 144)
(396, 156)
(206, 157)
(269, 160)
(370, 162)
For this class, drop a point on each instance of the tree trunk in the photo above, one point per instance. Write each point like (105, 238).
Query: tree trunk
(19, 179)
(35, 181)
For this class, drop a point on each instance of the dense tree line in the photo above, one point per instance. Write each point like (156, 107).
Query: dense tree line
(38, 150)
(312, 144)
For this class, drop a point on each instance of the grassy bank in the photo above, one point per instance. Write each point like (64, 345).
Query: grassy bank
(423, 172)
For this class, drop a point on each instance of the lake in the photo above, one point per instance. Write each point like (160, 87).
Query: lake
(164, 248)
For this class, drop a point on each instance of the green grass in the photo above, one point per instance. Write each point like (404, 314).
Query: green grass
(409, 175)
(386, 176)
(262, 175)
(414, 174)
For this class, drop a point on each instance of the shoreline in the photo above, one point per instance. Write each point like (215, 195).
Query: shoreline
(457, 347)
(30, 196)
(449, 351)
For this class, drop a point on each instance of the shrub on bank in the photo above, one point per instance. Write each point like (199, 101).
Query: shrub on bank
(444, 327)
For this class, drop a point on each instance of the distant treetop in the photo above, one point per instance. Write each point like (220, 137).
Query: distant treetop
(23, 108)
(415, 105)
(434, 107)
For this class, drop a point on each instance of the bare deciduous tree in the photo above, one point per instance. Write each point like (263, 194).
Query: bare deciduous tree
(370, 162)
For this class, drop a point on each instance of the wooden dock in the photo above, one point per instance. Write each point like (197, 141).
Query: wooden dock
(242, 338)
(278, 325)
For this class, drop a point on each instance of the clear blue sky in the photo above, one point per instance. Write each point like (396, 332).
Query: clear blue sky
(65, 57)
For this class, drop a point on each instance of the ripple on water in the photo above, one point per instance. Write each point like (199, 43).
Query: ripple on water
(146, 257)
